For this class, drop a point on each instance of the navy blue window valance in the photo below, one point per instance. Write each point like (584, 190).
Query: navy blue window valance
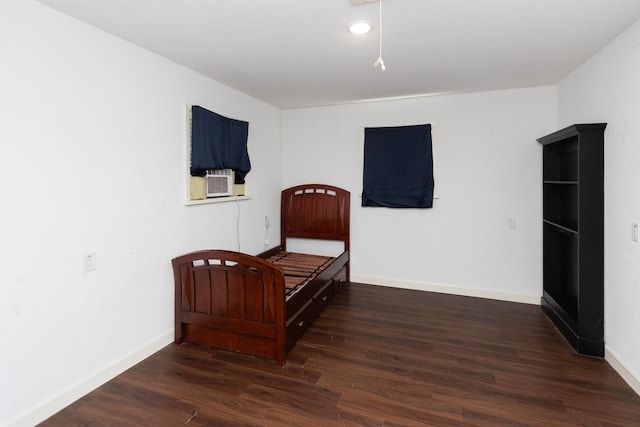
(398, 167)
(218, 142)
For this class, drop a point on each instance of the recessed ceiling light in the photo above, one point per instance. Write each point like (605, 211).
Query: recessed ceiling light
(360, 27)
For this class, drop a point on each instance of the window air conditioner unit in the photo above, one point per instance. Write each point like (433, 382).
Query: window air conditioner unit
(219, 182)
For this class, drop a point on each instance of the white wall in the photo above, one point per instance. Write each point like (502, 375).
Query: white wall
(87, 120)
(489, 170)
(92, 159)
(607, 89)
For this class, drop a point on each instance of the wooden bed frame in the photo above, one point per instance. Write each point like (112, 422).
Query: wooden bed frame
(238, 302)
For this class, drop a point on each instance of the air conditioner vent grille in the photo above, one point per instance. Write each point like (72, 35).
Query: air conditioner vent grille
(219, 182)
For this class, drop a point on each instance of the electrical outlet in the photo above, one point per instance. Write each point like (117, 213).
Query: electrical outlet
(511, 224)
(266, 230)
(90, 262)
(634, 232)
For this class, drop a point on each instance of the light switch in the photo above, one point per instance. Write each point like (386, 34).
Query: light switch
(90, 262)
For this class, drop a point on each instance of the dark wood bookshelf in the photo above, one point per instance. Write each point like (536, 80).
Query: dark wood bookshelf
(573, 234)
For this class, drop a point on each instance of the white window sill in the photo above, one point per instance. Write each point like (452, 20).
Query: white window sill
(216, 200)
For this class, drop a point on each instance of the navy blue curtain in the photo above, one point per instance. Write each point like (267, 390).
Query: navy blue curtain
(218, 142)
(398, 167)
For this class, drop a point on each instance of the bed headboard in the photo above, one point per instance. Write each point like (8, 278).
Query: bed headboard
(315, 211)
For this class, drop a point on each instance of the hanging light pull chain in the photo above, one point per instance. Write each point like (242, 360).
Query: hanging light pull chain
(380, 61)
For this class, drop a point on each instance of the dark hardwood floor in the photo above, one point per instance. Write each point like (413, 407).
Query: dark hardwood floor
(377, 357)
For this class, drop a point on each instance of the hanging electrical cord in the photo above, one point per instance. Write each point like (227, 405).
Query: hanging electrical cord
(238, 222)
(380, 61)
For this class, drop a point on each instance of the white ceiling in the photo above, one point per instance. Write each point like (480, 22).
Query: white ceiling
(296, 53)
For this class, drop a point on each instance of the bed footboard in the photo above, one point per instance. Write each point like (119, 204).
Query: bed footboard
(231, 301)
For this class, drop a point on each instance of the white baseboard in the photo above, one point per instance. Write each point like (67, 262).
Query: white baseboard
(448, 289)
(616, 363)
(65, 398)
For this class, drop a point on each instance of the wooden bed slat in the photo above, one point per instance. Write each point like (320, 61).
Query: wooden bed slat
(253, 299)
(268, 298)
(219, 294)
(184, 293)
(202, 291)
(235, 299)
(299, 269)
